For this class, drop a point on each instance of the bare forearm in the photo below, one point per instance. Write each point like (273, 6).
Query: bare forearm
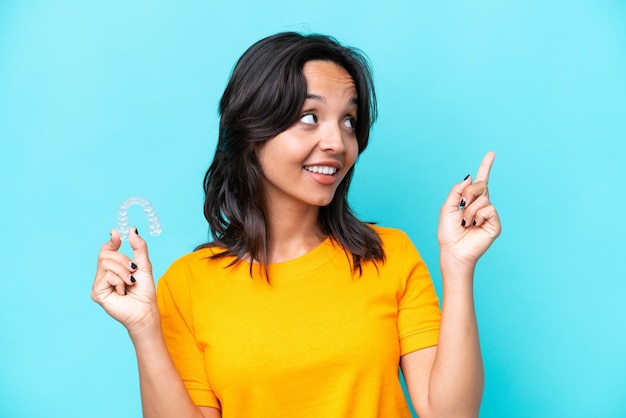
(457, 377)
(163, 394)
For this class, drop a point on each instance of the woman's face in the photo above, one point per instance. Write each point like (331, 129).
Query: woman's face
(304, 164)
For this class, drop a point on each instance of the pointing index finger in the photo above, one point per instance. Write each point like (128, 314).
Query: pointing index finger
(485, 167)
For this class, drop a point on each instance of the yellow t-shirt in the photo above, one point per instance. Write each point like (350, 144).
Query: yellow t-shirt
(317, 341)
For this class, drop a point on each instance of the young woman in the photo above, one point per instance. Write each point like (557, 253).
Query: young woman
(297, 308)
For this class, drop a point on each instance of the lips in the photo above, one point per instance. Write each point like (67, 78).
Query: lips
(321, 169)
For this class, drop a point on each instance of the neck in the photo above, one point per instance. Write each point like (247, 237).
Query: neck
(293, 233)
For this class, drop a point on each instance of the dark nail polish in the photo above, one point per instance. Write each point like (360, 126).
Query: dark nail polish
(136, 231)
(463, 222)
(133, 265)
(474, 223)
(462, 204)
(466, 177)
(132, 279)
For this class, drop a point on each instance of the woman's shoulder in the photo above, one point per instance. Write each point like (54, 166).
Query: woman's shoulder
(200, 260)
(389, 235)
(395, 241)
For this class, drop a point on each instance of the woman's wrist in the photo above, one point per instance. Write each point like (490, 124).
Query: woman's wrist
(455, 265)
(456, 274)
(148, 329)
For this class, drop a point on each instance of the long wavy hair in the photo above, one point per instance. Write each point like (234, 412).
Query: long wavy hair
(263, 98)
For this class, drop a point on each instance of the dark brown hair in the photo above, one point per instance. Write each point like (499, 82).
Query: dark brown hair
(263, 98)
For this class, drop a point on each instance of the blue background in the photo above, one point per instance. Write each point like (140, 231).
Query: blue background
(100, 101)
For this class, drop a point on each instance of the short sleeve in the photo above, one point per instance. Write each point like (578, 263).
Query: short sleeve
(419, 314)
(177, 323)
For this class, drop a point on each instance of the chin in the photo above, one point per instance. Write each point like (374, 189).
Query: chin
(325, 201)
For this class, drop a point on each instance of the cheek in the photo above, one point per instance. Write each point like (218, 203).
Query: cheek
(352, 152)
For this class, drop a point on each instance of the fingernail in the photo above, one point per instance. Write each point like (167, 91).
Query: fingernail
(474, 223)
(132, 279)
(133, 265)
(462, 204)
(466, 177)
(136, 231)
(463, 222)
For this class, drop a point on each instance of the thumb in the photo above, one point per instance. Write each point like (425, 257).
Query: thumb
(140, 250)
(114, 243)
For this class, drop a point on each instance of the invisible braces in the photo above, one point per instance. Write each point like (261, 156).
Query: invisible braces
(122, 216)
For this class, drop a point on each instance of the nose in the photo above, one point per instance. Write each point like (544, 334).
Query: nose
(333, 139)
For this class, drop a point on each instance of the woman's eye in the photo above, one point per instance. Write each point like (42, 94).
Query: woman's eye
(308, 118)
(350, 122)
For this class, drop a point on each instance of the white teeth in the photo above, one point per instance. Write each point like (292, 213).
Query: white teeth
(322, 169)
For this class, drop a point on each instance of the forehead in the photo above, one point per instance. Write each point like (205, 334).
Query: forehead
(328, 74)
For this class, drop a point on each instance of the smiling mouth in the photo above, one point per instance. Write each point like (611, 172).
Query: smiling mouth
(321, 169)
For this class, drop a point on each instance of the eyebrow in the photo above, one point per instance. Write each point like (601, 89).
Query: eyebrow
(353, 101)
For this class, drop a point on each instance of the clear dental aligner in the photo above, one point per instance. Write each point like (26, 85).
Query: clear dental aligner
(122, 216)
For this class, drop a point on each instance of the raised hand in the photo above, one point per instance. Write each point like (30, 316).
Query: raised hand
(468, 222)
(124, 287)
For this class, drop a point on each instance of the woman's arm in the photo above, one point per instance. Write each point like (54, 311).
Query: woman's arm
(447, 380)
(162, 391)
(125, 289)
